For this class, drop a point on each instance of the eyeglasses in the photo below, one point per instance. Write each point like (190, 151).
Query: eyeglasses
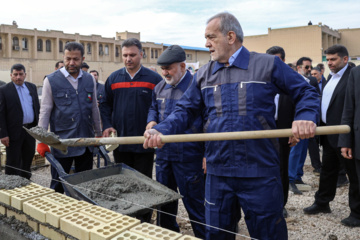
(307, 67)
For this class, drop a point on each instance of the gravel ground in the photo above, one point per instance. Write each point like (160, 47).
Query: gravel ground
(300, 226)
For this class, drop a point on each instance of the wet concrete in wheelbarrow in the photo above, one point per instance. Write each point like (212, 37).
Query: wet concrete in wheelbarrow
(125, 193)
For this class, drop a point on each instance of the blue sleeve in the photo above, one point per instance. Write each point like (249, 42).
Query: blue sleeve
(106, 105)
(187, 109)
(305, 96)
(153, 110)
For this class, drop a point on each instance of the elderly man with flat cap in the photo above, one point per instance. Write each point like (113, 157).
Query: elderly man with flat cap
(178, 165)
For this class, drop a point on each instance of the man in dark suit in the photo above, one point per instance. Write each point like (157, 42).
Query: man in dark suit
(350, 143)
(332, 103)
(298, 153)
(284, 116)
(19, 106)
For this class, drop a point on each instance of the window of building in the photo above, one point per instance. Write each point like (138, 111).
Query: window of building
(144, 53)
(152, 53)
(16, 43)
(48, 45)
(40, 45)
(117, 54)
(0, 43)
(88, 48)
(101, 51)
(61, 46)
(106, 50)
(156, 53)
(188, 56)
(25, 44)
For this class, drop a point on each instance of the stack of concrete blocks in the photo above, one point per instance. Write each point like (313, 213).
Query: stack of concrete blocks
(60, 217)
(37, 159)
(2, 154)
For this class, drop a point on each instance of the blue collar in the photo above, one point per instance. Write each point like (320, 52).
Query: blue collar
(241, 61)
(184, 84)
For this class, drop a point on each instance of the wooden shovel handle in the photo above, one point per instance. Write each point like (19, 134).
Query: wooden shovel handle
(277, 133)
(201, 137)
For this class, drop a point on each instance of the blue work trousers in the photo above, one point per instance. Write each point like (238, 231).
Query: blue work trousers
(260, 198)
(189, 178)
(297, 159)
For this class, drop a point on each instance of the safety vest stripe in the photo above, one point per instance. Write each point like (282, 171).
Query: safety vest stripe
(132, 85)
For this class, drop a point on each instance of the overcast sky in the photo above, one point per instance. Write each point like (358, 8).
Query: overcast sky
(174, 22)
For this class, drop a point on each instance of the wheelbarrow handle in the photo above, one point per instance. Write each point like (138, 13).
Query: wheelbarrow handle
(55, 163)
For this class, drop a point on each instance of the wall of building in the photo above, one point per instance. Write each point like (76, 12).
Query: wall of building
(350, 39)
(297, 42)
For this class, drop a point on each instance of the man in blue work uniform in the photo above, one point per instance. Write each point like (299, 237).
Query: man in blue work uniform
(125, 106)
(236, 90)
(178, 165)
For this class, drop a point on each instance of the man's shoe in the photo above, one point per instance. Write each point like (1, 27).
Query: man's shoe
(351, 222)
(315, 209)
(317, 171)
(299, 182)
(285, 213)
(294, 189)
(342, 181)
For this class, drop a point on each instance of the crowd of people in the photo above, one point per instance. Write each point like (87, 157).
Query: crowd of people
(237, 90)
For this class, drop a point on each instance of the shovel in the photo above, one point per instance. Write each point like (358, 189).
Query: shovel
(55, 141)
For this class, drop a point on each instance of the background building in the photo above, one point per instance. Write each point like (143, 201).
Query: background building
(39, 50)
(307, 41)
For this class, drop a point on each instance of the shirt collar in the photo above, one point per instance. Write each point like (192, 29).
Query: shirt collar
(234, 56)
(241, 61)
(21, 86)
(339, 73)
(67, 74)
(134, 74)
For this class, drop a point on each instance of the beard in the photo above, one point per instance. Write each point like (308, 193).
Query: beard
(170, 81)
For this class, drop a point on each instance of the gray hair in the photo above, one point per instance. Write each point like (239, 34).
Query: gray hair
(228, 22)
(317, 69)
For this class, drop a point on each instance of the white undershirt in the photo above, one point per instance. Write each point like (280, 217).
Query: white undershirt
(329, 90)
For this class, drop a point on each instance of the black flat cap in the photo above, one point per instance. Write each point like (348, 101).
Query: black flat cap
(171, 55)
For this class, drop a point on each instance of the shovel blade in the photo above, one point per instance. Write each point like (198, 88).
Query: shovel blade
(46, 137)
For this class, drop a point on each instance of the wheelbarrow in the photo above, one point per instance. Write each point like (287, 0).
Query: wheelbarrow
(70, 184)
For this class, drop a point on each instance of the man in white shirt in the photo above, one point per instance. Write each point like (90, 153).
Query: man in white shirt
(69, 105)
(332, 105)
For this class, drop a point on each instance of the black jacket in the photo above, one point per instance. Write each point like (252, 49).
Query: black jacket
(11, 114)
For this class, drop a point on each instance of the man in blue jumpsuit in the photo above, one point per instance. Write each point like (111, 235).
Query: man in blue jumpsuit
(236, 90)
(178, 165)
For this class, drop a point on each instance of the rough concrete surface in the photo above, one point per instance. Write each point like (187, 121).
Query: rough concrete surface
(12, 181)
(123, 193)
(13, 229)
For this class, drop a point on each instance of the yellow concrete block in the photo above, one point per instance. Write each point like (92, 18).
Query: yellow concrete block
(19, 199)
(61, 199)
(38, 207)
(19, 216)
(54, 215)
(155, 232)
(187, 237)
(102, 214)
(51, 233)
(34, 225)
(3, 210)
(111, 229)
(5, 195)
(127, 235)
(79, 225)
